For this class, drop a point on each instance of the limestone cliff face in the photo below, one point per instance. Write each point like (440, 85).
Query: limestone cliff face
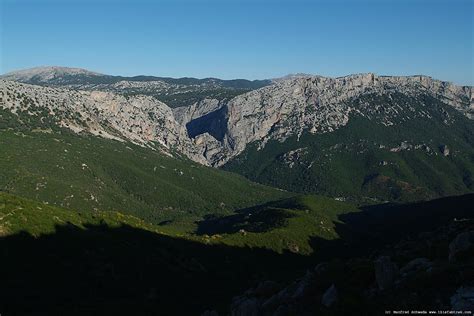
(318, 105)
(140, 119)
(213, 131)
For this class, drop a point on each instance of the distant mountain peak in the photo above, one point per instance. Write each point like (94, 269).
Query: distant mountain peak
(48, 70)
(47, 73)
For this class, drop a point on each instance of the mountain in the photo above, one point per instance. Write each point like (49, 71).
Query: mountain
(92, 175)
(53, 75)
(89, 173)
(173, 91)
(390, 138)
(138, 119)
(361, 137)
(91, 150)
(319, 105)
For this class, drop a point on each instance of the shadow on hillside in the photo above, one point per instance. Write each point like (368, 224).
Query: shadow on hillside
(249, 219)
(102, 270)
(376, 226)
(123, 270)
(360, 233)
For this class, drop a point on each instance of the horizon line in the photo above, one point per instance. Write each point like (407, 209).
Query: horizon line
(294, 74)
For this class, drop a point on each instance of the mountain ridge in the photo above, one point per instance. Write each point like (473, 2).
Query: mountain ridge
(49, 69)
(224, 132)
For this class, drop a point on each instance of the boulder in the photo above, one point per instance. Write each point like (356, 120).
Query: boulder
(462, 247)
(303, 285)
(330, 296)
(271, 304)
(245, 306)
(444, 150)
(463, 299)
(266, 288)
(321, 268)
(283, 310)
(385, 272)
(416, 265)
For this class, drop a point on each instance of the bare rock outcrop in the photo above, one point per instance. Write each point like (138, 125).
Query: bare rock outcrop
(386, 272)
(462, 246)
(213, 131)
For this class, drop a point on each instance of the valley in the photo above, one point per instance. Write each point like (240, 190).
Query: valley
(260, 199)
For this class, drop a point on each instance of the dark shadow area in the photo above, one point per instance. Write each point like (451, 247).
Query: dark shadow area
(214, 123)
(360, 233)
(105, 270)
(251, 220)
(376, 226)
(127, 271)
(259, 218)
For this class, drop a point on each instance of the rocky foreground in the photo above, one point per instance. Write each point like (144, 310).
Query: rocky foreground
(431, 271)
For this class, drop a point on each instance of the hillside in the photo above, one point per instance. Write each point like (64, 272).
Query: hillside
(84, 258)
(91, 173)
(284, 225)
(414, 257)
(57, 261)
(364, 138)
(423, 156)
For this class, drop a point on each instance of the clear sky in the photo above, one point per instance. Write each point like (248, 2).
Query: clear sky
(242, 39)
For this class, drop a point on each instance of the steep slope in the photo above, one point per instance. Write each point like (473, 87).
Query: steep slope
(287, 225)
(321, 105)
(415, 257)
(138, 119)
(57, 261)
(424, 153)
(390, 138)
(52, 255)
(19, 215)
(90, 173)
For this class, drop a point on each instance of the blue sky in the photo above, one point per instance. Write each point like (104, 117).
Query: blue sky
(242, 39)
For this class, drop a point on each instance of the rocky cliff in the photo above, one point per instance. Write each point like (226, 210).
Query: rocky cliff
(318, 105)
(142, 120)
(213, 131)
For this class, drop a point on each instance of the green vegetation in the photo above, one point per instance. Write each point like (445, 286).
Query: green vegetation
(355, 161)
(281, 226)
(181, 92)
(90, 173)
(286, 225)
(95, 226)
(189, 97)
(18, 215)
(57, 261)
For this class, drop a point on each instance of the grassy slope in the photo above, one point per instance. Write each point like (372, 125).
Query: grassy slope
(286, 225)
(88, 173)
(91, 174)
(19, 215)
(281, 226)
(354, 168)
(97, 246)
(81, 262)
(62, 261)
